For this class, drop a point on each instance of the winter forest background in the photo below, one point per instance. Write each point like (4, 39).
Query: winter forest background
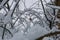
(29, 20)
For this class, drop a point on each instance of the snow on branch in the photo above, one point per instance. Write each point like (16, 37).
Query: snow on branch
(8, 31)
(15, 7)
(48, 34)
(3, 3)
(53, 6)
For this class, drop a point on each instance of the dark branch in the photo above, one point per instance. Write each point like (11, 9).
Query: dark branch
(49, 34)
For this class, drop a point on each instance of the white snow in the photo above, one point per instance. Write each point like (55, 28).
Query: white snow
(35, 32)
(31, 32)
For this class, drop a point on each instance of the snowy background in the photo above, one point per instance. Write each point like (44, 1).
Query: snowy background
(25, 29)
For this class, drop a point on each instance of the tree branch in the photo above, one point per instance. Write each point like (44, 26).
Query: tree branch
(53, 6)
(49, 34)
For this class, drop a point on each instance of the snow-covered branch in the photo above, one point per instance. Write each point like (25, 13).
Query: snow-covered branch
(53, 6)
(48, 35)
